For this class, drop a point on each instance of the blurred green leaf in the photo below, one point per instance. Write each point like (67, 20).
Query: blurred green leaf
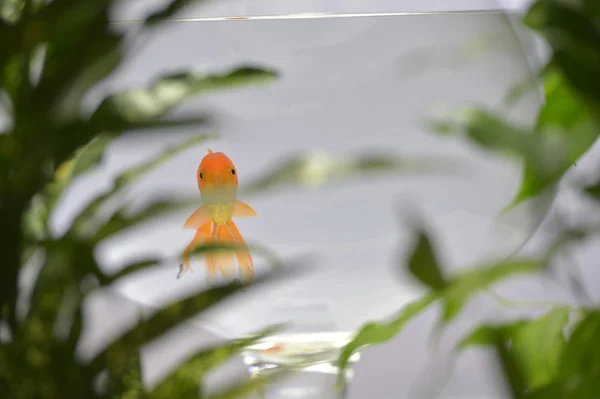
(200, 249)
(128, 384)
(11, 10)
(563, 107)
(579, 365)
(168, 317)
(164, 93)
(519, 90)
(593, 190)
(374, 333)
(35, 220)
(552, 391)
(88, 217)
(261, 250)
(575, 40)
(582, 354)
(536, 345)
(26, 33)
(86, 158)
(318, 168)
(562, 111)
(424, 265)
(512, 373)
(529, 84)
(72, 67)
(121, 220)
(52, 54)
(192, 371)
(118, 352)
(548, 153)
(166, 12)
(485, 335)
(539, 345)
(462, 287)
(129, 269)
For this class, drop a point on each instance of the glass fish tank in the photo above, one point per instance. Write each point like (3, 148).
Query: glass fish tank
(341, 133)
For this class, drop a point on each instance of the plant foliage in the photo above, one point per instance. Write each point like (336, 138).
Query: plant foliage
(51, 54)
(540, 357)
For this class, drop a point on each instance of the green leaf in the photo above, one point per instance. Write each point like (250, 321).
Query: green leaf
(35, 220)
(72, 67)
(461, 288)
(529, 84)
(200, 249)
(166, 12)
(126, 178)
(11, 10)
(582, 354)
(120, 221)
(536, 345)
(127, 383)
(118, 352)
(379, 332)
(86, 158)
(75, 17)
(192, 372)
(511, 370)
(136, 105)
(556, 390)
(563, 107)
(593, 190)
(562, 110)
(115, 355)
(539, 345)
(319, 168)
(423, 263)
(574, 37)
(547, 153)
(485, 335)
(129, 269)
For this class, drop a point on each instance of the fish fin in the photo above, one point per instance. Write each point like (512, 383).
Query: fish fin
(223, 260)
(202, 234)
(211, 268)
(184, 268)
(199, 218)
(209, 151)
(242, 210)
(243, 256)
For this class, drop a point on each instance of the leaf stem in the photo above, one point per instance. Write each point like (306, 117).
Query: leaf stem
(521, 304)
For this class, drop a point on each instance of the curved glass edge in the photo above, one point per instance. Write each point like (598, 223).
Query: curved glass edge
(135, 10)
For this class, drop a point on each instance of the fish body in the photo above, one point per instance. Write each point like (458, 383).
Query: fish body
(218, 182)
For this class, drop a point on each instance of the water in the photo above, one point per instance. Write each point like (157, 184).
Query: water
(314, 355)
(348, 85)
(296, 350)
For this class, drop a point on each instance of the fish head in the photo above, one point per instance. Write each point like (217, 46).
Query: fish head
(217, 178)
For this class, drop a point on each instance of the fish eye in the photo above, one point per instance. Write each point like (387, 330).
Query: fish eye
(201, 175)
(233, 171)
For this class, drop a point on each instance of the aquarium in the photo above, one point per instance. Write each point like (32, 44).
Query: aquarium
(349, 86)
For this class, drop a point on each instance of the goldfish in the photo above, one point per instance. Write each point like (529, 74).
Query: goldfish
(217, 180)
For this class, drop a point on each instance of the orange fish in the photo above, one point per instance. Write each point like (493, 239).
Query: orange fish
(218, 182)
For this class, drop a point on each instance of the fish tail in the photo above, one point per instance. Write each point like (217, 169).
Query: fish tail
(222, 260)
(202, 234)
(243, 255)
